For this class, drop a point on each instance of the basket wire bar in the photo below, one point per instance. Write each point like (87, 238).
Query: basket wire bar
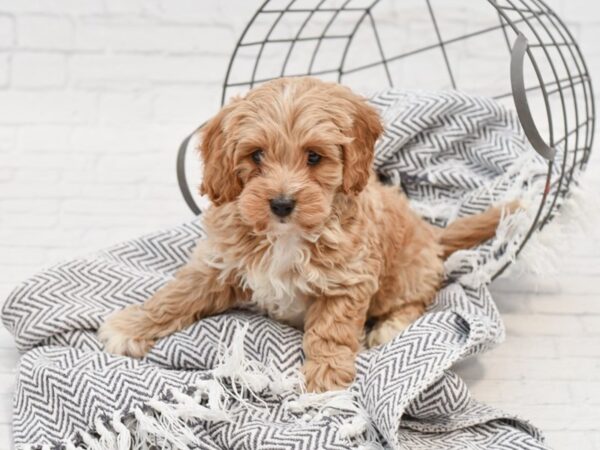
(561, 29)
(297, 38)
(384, 61)
(557, 74)
(569, 175)
(345, 53)
(441, 44)
(380, 48)
(323, 36)
(564, 113)
(551, 133)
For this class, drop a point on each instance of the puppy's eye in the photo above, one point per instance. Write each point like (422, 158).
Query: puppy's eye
(257, 156)
(313, 158)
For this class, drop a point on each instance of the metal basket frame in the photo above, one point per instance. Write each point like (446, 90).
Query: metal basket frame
(536, 27)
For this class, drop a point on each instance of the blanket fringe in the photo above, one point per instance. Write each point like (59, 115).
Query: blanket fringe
(578, 213)
(357, 427)
(237, 385)
(541, 255)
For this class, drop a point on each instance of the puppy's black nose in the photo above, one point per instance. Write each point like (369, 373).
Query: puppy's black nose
(282, 206)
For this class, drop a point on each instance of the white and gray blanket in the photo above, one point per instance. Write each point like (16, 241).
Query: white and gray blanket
(232, 381)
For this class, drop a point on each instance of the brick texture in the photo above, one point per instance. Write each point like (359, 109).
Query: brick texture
(95, 96)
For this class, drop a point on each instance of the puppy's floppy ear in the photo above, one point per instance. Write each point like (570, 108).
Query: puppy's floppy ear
(359, 153)
(220, 182)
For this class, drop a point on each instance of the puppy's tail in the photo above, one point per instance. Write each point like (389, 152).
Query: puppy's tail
(470, 231)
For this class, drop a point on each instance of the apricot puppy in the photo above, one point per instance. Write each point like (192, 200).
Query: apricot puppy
(301, 229)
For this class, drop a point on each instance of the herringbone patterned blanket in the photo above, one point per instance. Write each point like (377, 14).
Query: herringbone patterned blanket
(231, 381)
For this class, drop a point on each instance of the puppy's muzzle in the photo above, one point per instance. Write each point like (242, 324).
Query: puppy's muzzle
(282, 206)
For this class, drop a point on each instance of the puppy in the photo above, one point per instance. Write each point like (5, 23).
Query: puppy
(301, 229)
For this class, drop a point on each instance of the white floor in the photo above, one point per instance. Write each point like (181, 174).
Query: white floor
(547, 371)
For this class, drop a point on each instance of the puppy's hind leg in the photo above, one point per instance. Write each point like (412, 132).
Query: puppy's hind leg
(394, 323)
(194, 293)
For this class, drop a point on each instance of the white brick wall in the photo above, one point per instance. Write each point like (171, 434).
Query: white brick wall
(95, 96)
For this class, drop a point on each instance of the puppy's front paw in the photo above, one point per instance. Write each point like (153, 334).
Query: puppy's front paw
(328, 376)
(386, 330)
(121, 333)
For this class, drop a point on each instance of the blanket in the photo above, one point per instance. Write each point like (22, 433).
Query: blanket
(232, 381)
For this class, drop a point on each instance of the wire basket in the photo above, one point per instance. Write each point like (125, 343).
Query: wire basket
(518, 52)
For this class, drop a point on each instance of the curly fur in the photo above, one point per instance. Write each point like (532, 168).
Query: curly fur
(351, 250)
